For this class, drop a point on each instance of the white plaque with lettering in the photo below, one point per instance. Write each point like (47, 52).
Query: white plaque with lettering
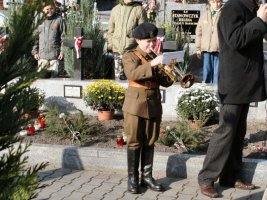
(73, 91)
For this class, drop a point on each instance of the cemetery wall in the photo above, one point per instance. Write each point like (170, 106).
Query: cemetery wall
(67, 94)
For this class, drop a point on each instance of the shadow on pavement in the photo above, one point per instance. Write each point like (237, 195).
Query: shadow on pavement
(70, 163)
(176, 166)
(175, 170)
(71, 159)
(54, 174)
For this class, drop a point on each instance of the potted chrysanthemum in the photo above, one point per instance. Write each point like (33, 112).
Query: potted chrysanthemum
(197, 104)
(105, 96)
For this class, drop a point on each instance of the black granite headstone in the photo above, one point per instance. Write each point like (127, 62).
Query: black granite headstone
(185, 20)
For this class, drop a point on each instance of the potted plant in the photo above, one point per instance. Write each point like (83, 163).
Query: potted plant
(105, 96)
(175, 38)
(197, 105)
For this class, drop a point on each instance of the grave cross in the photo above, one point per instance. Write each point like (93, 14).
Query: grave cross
(78, 68)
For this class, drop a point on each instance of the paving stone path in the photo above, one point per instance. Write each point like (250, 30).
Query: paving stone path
(97, 184)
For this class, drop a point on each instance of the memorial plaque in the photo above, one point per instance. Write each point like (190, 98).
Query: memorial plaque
(73, 91)
(186, 19)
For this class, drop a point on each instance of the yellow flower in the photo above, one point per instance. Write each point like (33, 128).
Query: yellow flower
(104, 94)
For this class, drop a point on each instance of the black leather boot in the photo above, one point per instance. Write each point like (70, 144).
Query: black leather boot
(133, 157)
(146, 169)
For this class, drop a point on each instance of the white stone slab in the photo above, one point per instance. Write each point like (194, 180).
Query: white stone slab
(54, 92)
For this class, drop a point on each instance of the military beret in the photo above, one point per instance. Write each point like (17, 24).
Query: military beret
(145, 31)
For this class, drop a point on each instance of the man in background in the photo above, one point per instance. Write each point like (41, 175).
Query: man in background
(206, 41)
(124, 18)
(241, 27)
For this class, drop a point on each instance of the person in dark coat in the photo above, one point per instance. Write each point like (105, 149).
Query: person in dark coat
(142, 106)
(48, 49)
(241, 81)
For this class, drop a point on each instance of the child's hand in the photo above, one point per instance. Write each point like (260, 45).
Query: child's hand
(198, 54)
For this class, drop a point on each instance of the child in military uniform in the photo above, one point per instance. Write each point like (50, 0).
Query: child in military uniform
(142, 106)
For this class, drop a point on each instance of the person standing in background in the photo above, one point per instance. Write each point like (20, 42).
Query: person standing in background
(206, 41)
(124, 18)
(48, 50)
(241, 28)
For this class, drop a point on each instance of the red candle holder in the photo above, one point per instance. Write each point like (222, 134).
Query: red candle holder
(31, 130)
(42, 123)
(120, 141)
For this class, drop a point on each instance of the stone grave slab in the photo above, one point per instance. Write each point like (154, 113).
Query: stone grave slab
(54, 93)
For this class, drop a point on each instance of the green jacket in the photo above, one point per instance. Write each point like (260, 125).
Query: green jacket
(123, 19)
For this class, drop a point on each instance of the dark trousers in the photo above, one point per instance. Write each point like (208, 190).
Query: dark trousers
(224, 155)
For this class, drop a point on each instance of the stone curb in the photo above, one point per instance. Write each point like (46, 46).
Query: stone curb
(167, 164)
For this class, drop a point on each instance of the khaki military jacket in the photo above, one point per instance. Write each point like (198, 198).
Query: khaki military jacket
(139, 101)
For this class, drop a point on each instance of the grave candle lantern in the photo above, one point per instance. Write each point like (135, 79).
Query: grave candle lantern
(31, 129)
(120, 141)
(42, 122)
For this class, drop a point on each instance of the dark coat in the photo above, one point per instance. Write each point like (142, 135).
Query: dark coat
(241, 76)
(51, 34)
(139, 101)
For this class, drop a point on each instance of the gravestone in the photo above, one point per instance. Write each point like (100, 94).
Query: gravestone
(78, 67)
(179, 14)
(187, 15)
(185, 21)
